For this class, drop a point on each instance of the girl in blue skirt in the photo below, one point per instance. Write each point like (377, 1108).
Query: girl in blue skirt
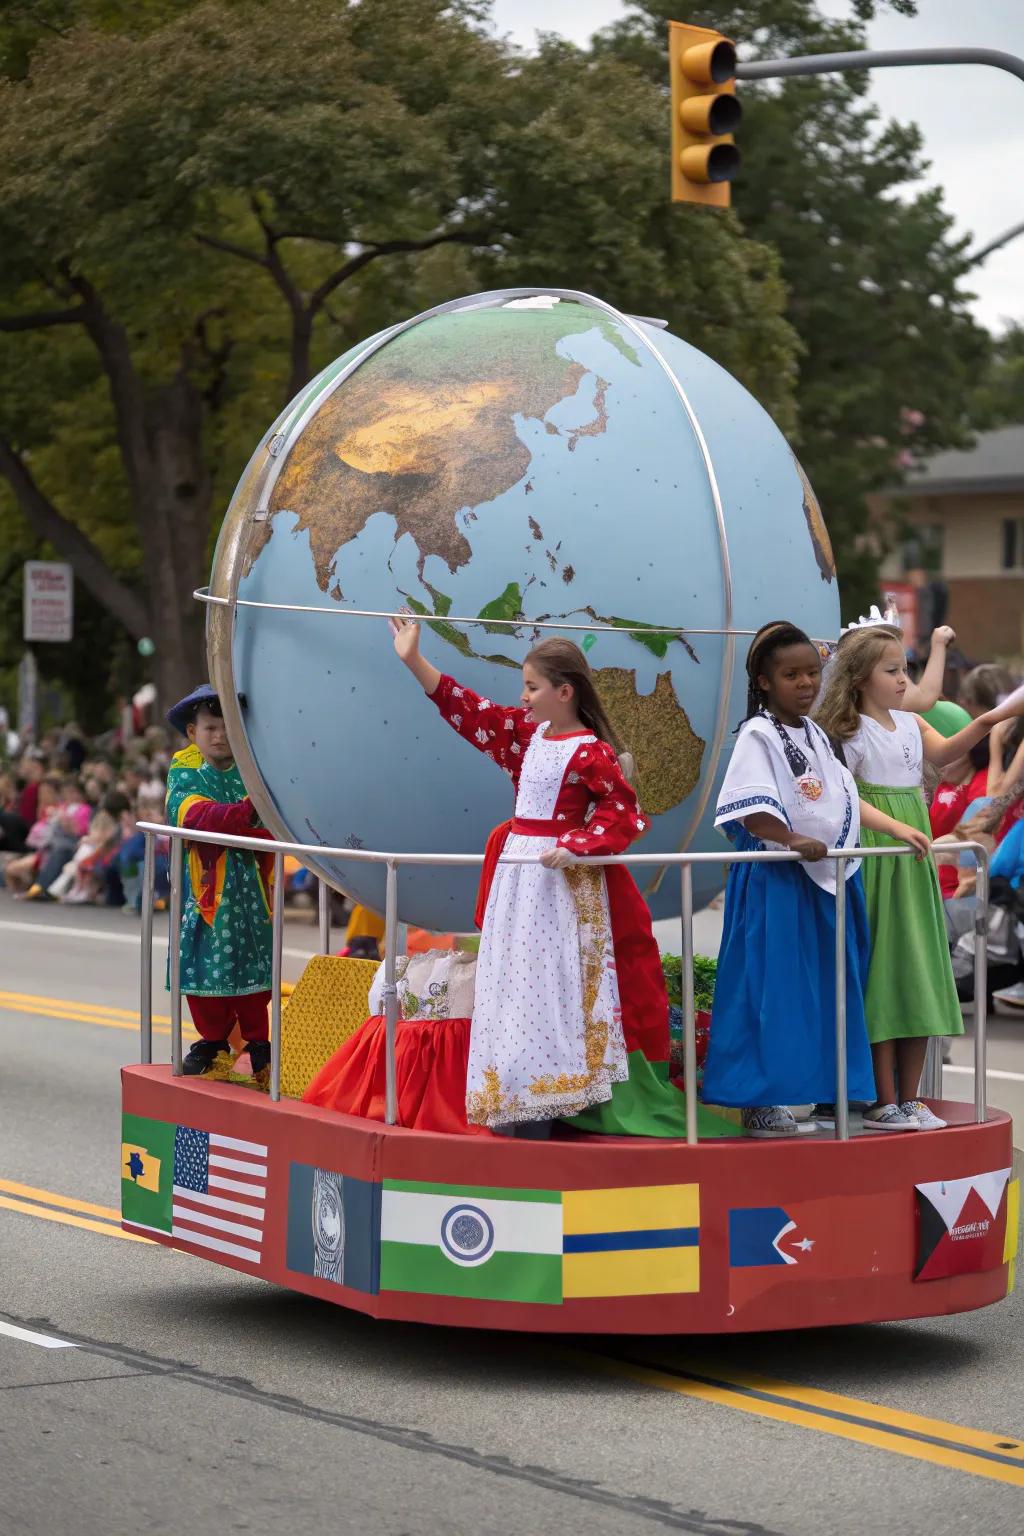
(773, 1024)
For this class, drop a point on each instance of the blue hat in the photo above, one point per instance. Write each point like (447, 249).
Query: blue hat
(185, 709)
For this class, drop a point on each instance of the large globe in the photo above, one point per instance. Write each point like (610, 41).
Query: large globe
(517, 461)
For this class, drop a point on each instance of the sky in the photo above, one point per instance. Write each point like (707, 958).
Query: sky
(972, 117)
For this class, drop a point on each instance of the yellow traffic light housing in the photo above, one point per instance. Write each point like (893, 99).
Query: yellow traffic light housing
(705, 114)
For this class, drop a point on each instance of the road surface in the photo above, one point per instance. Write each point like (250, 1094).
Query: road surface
(145, 1391)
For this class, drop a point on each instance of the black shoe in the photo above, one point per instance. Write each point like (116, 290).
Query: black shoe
(202, 1055)
(259, 1055)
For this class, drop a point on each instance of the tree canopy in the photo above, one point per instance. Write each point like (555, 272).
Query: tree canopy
(205, 202)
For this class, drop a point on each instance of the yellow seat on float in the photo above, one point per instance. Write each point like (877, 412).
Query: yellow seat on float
(329, 1002)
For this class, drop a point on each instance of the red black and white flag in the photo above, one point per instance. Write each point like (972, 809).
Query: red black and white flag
(961, 1225)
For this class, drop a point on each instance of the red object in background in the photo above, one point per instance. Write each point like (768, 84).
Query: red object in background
(906, 597)
(947, 807)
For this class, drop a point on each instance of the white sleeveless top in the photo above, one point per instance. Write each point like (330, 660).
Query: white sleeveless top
(893, 758)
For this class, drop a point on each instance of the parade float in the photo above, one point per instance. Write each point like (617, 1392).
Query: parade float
(507, 466)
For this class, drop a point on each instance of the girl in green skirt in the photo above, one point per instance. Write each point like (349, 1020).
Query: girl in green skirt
(910, 993)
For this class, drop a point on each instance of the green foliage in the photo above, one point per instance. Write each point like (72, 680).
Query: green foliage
(998, 400)
(875, 279)
(704, 971)
(223, 195)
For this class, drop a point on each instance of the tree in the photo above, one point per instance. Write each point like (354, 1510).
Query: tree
(206, 201)
(998, 400)
(889, 351)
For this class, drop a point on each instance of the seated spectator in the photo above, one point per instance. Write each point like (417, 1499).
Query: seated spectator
(127, 865)
(20, 873)
(68, 826)
(13, 830)
(31, 771)
(83, 878)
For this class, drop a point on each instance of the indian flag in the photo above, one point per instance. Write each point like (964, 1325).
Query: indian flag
(489, 1244)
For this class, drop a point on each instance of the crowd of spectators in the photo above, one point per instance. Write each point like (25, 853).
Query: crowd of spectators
(68, 809)
(981, 799)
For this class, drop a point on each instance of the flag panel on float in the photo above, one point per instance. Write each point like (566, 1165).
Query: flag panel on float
(961, 1225)
(333, 1227)
(204, 1188)
(482, 1243)
(634, 1241)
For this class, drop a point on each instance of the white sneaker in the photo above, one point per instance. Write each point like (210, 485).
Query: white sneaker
(769, 1120)
(927, 1121)
(1013, 996)
(889, 1117)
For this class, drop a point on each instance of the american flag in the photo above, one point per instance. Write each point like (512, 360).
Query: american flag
(220, 1192)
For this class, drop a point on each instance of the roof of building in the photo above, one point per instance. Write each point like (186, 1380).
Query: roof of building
(995, 463)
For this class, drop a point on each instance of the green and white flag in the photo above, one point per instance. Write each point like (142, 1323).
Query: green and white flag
(490, 1244)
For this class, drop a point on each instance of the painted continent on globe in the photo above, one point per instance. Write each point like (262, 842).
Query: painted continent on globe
(527, 462)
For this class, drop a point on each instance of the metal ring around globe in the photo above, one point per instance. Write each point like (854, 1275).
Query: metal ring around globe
(204, 595)
(222, 618)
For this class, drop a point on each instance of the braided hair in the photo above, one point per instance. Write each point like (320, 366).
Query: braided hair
(769, 639)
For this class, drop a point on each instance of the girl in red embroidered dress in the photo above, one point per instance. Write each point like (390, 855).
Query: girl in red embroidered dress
(569, 985)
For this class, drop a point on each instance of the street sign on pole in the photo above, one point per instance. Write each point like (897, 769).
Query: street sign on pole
(49, 600)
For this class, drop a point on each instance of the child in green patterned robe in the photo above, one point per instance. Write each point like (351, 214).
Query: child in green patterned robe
(227, 898)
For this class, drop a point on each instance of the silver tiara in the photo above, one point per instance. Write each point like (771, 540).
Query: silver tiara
(890, 618)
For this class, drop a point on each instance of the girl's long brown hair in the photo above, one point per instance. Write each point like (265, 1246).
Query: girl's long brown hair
(561, 661)
(855, 659)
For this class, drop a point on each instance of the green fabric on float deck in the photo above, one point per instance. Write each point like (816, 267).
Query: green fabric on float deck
(647, 1104)
(910, 991)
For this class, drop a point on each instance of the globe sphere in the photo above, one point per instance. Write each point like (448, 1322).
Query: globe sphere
(509, 466)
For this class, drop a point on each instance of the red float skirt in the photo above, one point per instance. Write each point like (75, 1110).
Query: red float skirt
(431, 1057)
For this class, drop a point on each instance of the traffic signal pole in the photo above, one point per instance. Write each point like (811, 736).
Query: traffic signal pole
(877, 58)
(891, 58)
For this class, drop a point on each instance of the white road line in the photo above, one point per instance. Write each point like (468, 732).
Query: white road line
(1004, 1077)
(27, 1336)
(97, 934)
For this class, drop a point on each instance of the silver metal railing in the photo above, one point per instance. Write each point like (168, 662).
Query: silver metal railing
(394, 861)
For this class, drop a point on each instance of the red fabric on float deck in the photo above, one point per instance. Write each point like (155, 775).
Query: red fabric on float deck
(642, 992)
(430, 1068)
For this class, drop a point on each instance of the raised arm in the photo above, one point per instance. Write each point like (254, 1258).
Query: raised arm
(499, 731)
(922, 695)
(941, 750)
(407, 649)
(1000, 778)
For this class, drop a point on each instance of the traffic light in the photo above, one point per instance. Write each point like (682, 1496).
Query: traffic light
(705, 114)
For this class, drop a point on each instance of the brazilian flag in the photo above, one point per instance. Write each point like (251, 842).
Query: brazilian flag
(147, 1172)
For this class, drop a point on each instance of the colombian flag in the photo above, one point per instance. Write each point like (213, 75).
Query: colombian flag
(641, 1241)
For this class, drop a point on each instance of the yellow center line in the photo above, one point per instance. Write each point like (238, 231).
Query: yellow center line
(47, 1196)
(71, 1002)
(979, 1452)
(75, 1013)
(106, 1229)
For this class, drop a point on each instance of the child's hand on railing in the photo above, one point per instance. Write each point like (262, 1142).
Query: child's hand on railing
(810, 849)
(557, 858)
(407, 637)
(918, 840)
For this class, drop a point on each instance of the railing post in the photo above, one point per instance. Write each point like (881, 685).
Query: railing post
(146, 979)
(981, 988)
(276, 955)
(390, 993)
(689, 1012)
(174, 952)
(323, 893)
(931, 1077)
(842, 1101)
